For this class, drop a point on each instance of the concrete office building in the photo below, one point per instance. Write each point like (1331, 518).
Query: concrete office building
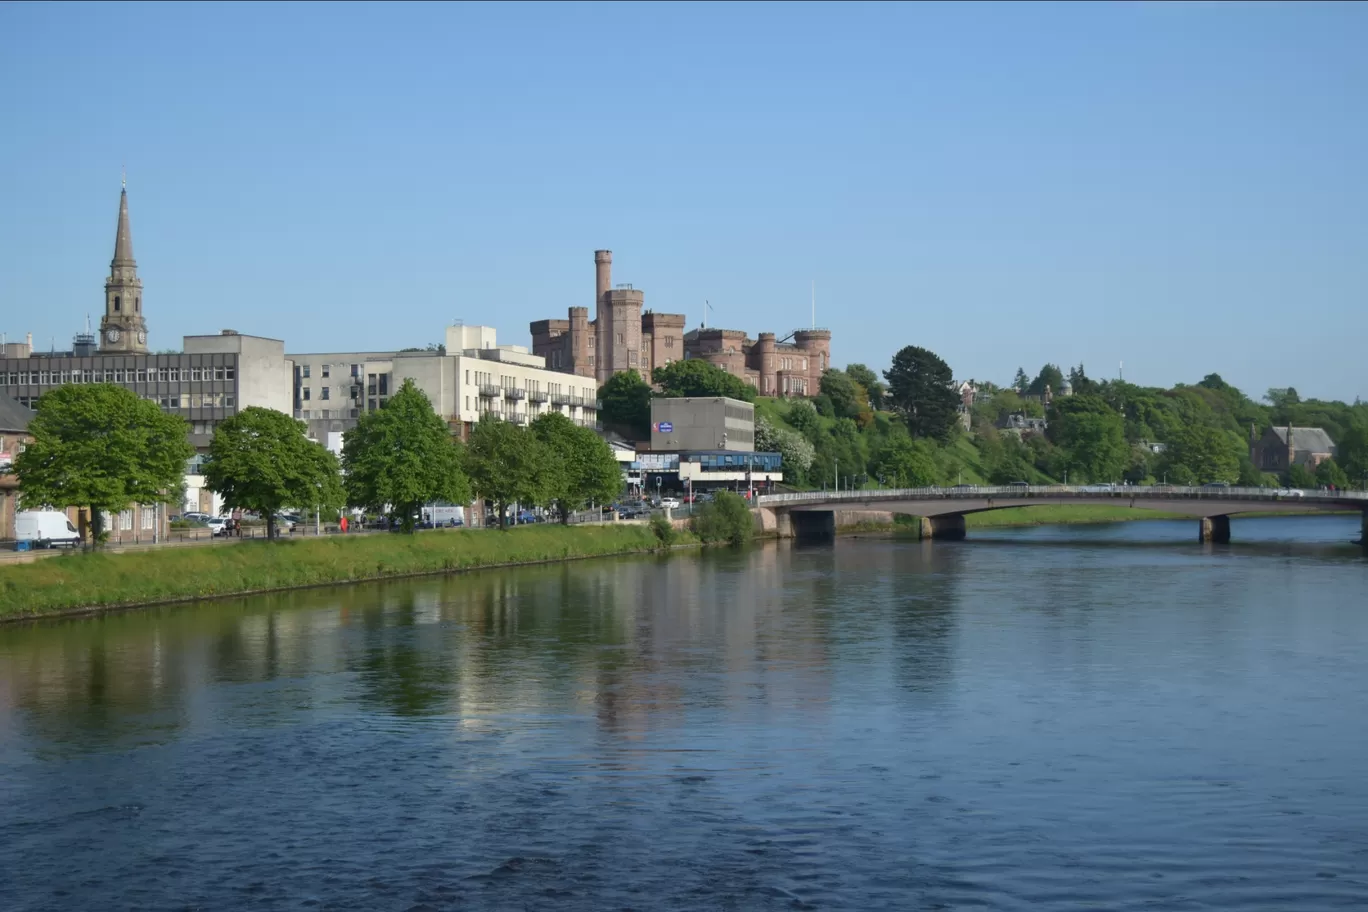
(713, 423)
(623, 336)
(476, 376)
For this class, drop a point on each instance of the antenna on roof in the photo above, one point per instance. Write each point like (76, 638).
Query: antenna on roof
(705, 313)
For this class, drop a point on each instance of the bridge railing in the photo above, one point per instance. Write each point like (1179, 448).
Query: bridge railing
(1126, 492)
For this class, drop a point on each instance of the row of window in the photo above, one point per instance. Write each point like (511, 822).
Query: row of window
(118, 375)
(124, 521)
(325, 371)
(307, 414)
(215, 400)
(325, 393)
(761, 462)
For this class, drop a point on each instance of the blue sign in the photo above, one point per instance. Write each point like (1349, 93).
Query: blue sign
(665, 427)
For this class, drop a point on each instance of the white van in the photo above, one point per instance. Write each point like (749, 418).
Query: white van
(45, 529)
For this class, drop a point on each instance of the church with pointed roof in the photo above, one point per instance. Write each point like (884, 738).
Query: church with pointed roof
(123, 329)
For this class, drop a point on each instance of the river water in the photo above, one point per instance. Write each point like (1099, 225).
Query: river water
(1102, 717)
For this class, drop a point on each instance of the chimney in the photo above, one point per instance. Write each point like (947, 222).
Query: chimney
(603, 276)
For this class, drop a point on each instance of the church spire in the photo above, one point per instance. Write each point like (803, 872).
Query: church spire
(123, 239)
(123, 329)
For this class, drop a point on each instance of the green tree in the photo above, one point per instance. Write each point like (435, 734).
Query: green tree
(874, 387)
(919, 386)
(794, 449)
(1352, 451)
(401, 457)
(1092, 436)
(581, 468)
(1199, 454)
(1329, 473)
(802, 415)
(1300, 477)
(848, 398)
(1282, 397)
(727, 518)
(695, 377)
(261, 460)
(101, 446)
(905, 463)
(1021, 381)
(1050, 376)
(626, 402)
(506, 464)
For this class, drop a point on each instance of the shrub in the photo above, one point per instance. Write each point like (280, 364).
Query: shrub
(727, 518)
(663, 530)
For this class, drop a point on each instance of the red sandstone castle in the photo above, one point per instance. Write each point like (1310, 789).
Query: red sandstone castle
(623, 337)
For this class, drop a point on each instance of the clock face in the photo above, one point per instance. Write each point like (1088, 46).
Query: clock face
(142, 338)
(112, 335)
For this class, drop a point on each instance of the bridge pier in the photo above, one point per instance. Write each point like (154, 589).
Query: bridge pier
(1214, 529)
(943, 528)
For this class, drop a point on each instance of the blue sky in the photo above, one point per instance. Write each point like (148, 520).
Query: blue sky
(1182, 187)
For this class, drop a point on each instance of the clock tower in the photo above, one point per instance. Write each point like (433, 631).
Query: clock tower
(122, 329)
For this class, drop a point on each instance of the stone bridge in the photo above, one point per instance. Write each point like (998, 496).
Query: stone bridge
(942, 510)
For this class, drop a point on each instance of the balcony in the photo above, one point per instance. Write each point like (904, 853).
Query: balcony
(537, 395)
(577, 400)
(512, 392)
(589, 423)
(490, 391)
(561, 399)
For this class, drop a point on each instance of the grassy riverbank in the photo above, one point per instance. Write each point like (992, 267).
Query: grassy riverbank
(86, 581)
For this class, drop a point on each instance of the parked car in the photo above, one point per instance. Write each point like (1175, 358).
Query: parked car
(669, 503)
(1018, 484)
(1216, 485)
(45, 529)
(218, 525)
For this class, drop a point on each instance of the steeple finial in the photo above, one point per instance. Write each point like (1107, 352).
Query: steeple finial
(124, 177)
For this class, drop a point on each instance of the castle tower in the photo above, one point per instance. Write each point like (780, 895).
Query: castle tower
(122, 328)
(617, 322)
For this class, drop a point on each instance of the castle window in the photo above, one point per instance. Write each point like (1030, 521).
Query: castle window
(669, 341)
(137, 304)
(116, 302)
(327, 371)
(327, 392)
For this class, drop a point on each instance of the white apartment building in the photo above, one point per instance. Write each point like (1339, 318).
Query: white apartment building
(473, 377)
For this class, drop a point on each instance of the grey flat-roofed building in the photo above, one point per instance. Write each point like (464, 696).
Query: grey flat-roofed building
(712, 423)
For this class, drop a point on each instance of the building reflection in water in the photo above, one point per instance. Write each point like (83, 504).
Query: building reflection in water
(640, 646)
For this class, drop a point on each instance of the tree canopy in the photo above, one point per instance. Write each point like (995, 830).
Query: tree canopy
(507, 464)
(906, 463)
(874, 387)
(919, 387)
(696, 377)
(580, 466)
(1092, 435)
(102, 446)
(1198, 454)
(261, 460)
(403, 456)
(626, 403)
(1050, 376)
(848, 398)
